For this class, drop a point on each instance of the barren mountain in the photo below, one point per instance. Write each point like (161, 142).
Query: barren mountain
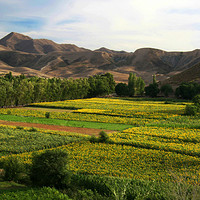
(19, 42)
(20, 53)
(191, 74)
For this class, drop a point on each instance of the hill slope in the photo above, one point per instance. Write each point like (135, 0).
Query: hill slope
(191, 74)
(48, 58)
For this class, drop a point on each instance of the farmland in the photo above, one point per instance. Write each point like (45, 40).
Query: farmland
(148, 139)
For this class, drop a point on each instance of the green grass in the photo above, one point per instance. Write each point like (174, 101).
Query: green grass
(82, 124)
(20, 140)
(45, 193)
(9, 185)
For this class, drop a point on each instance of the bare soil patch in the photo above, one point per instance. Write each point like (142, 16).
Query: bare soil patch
(87, 131)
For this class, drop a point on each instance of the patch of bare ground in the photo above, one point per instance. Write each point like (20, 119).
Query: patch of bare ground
(86, 131)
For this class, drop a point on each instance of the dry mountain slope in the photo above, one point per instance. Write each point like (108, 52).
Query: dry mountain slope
(19, 42)
(48, 58)
(191, 74)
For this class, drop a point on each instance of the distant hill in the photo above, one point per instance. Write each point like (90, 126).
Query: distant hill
(42, 57)
(191, 74)
(19, 42)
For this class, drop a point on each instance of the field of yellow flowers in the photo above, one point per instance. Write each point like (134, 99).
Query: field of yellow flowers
(162, 139)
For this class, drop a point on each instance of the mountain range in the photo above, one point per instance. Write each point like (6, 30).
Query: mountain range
(45, 58)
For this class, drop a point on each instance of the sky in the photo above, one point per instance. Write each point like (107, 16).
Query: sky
(170, 25)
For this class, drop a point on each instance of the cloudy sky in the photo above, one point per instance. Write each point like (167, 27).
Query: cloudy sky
(172, 25)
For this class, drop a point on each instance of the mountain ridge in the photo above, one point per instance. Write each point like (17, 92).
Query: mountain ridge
(68, 60)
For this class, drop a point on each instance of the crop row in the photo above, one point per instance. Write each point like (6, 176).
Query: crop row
(76, 116)
(126, 161)
(114, 103)
(18, 139)
(109, 111)
(182, 134)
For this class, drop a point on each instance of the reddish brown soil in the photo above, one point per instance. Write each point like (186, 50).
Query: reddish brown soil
(87, 131)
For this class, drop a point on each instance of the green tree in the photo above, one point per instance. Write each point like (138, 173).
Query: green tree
(3, 94)
(111, 82)
(50, 168)
(9, 76)
(121, 89)
(154, 79)
(140, 85)
(13, 167)
(196, 100)
(166, 89)
(152, 90)
(24, 92)
(39, 92)
(187, 90)
(132, 84)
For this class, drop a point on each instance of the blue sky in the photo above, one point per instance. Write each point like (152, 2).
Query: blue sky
(171, 25)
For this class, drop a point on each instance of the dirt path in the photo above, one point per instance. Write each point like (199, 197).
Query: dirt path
(87, 131)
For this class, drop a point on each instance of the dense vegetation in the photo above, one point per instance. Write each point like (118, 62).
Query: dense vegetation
(154, 154)
(161, 135)
(135, 86)
(20, 90)
(188, 90)
(147, 161)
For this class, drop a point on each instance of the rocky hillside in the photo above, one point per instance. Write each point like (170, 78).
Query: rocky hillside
(42, 57)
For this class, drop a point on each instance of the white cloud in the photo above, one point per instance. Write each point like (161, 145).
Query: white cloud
(128, 24)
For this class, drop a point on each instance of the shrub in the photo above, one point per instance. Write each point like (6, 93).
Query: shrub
(152, 90)
(47, 114)
(45, 193)
(32, 129)
(50, 169)
(187, 90)
(19, 127)
(166, 89)
(196, 100)
(13, 168)
(191, 110)
(121, 89)
(103, 137)
(8, 112)
(93, 139)
(95, 183)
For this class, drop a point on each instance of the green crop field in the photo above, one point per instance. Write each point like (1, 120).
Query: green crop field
(154, 139)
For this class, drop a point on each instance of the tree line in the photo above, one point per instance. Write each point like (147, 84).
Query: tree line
(136, 87)
(22, 90)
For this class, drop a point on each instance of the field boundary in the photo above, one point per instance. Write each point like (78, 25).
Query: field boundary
(86, 131)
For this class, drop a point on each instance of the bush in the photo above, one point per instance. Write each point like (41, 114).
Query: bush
(13, 168)
(33, 129)
(50, 169)
(93, 139)
(152, 90)
(8, 112)
(187, 90)
(47, 114)
(121, 89)
(191, 110)
(45, 193)
(166, 89)
(103, 137)
(19, 127)
(196, 100)
(95, 183)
